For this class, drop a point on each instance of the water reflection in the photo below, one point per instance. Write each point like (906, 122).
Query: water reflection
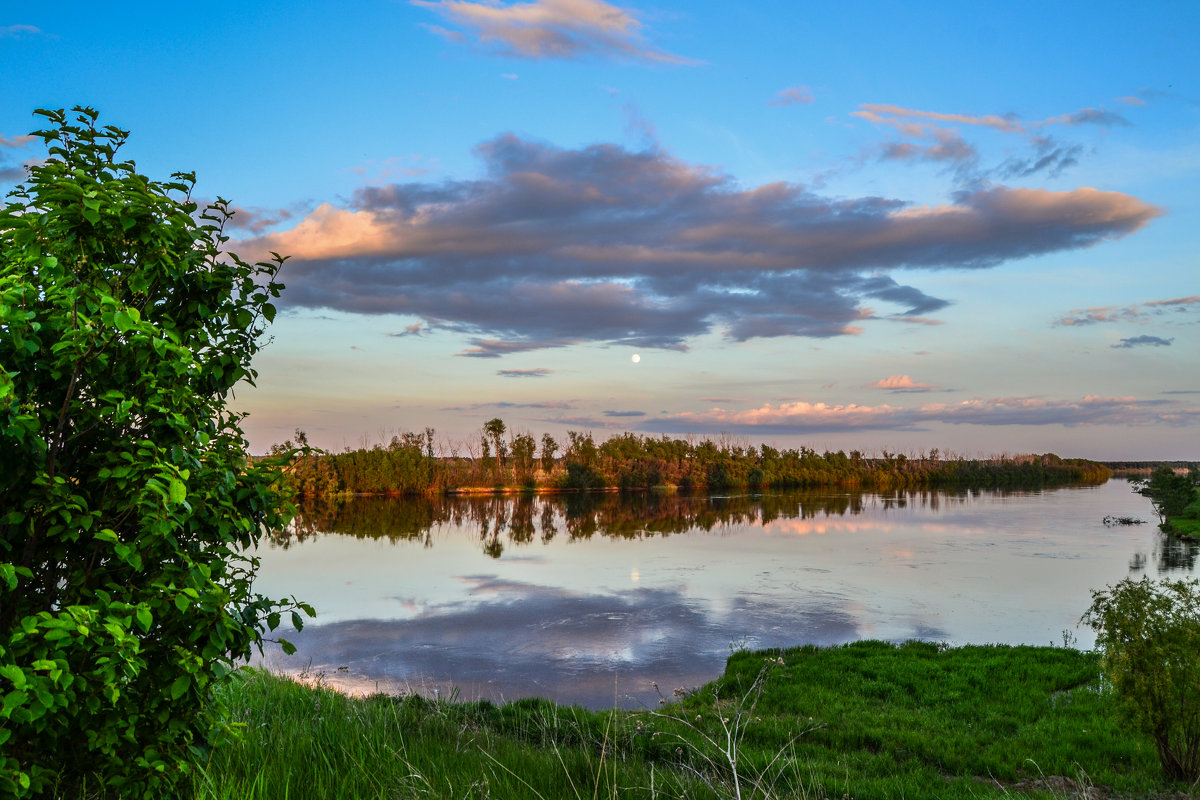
(590, 598)
(522, 519)
(1170, 555)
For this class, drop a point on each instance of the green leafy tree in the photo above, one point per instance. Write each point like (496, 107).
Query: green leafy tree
(494, 430)
(1150, 635)
(1170, 493)
(128, 504)
(523, 446)
(549, 448)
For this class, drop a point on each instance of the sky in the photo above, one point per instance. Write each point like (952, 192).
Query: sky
(847, 226)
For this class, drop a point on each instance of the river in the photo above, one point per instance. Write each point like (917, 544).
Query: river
(594, 599)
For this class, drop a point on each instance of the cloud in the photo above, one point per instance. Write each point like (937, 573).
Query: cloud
(638, 126)
(902, 383)
(17, 141)
(1088, 116)
(416, 329)
(917, 320)
(794, 95)
(1132, 100)
(1142, 341)
(1049, 156)
(1130, 313)
(19, 31)
(624, 413)
(1089, 316)
(549, 29)
(560, 405)
(257, 220)
(938, 140)
(801, 417)
(947, 146)
(494, 348)
(898, 117)
(540, 372)
(554, 247)
(14, 172)
(1181, 302)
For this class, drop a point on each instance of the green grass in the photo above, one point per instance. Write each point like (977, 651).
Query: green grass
(867, 720)
(1185, 528)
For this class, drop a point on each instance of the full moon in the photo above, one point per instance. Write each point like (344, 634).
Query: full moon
(636, 358)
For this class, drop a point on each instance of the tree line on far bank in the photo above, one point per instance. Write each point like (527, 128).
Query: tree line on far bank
(413, 463)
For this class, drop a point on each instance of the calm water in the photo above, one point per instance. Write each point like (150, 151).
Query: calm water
(589, 599)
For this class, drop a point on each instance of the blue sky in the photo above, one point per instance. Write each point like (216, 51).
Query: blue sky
(872, 225)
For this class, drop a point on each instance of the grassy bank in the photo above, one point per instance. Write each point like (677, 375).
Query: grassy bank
(868, 720)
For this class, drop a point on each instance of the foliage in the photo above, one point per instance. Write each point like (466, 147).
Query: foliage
(632, 461)
(1150, 636)
(1171, 493)
(127, 500)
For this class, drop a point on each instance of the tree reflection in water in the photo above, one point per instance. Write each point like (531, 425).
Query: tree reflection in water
(519, 520)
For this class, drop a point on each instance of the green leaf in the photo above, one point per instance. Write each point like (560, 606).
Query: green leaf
(177, 491)
(123, 320)
(180, 686)
(288, 647)
(144, 618)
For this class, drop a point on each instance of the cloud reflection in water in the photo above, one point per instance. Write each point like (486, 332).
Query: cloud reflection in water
(528, 640)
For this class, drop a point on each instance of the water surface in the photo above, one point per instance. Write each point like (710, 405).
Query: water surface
(591, 599)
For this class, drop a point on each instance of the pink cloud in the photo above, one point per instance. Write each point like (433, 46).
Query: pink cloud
(1130, 313)
(1178, 301)
(794, 95)
(901, 383)
(880, 112)
(16, 141)
(896, 117)
(806, 418)
(544, 29)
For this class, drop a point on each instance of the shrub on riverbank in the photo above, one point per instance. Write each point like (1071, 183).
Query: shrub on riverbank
(126, 504)
(1149, 634)
(1176, 499)
(868, 720)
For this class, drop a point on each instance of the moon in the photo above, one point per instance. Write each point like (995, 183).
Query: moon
(636, 358)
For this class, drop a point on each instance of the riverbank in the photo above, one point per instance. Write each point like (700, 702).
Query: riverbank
(866, 720)
(410, 465)
(1176, 499)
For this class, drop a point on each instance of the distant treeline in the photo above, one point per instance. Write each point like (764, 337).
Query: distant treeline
(1148, 467)
(410, 464)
